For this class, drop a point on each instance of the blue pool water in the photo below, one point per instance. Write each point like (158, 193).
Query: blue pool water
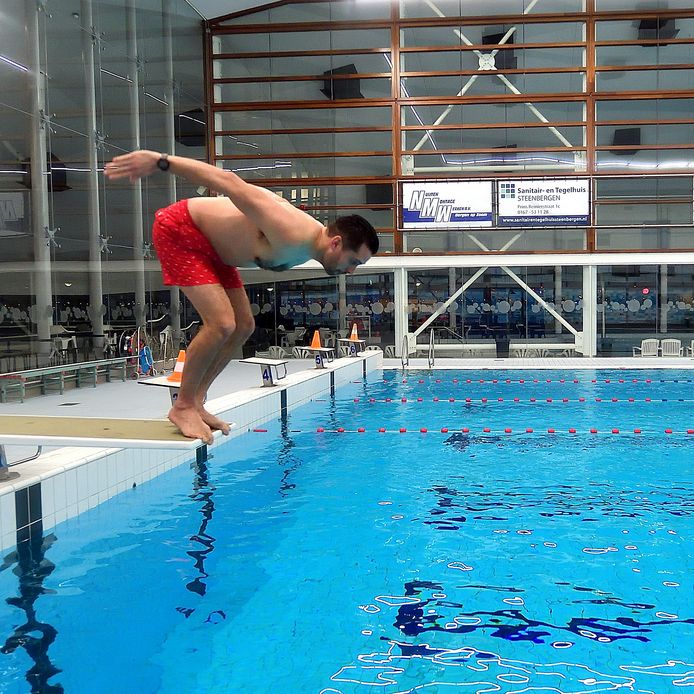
(299, 561)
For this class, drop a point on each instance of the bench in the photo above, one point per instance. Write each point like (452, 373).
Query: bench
(53, 378)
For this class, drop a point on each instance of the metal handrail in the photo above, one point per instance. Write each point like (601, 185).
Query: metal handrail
(5, 466)
(405, 356)
(431, 356)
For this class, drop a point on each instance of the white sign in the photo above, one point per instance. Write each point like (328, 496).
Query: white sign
(554, 203)
(446, 205)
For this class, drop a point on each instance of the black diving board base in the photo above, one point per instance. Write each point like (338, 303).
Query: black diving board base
(39, 430)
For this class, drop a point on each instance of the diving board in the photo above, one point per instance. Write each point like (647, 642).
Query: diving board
(36, 430)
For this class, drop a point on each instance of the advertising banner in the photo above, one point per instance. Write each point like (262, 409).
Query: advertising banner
(446, 205)
(555, 203)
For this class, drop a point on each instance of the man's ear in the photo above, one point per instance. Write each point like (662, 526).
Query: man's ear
(336, 242)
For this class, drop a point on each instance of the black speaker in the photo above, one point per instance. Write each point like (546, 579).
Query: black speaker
(626, 136)
(378, 194)
(190, 128)
(657, 29)
(505, 59)
(57, 175)
(342, 89)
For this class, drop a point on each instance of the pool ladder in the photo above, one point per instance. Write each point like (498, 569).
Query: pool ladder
(4, 465)
(431, 355)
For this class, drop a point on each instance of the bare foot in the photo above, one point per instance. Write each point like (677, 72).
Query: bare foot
(189, 421)
(214, 422)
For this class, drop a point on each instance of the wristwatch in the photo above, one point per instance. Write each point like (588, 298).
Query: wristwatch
(163, 162)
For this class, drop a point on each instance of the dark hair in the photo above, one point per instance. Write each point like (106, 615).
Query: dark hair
(354, 230)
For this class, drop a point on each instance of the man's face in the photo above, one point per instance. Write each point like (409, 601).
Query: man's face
(339, 260)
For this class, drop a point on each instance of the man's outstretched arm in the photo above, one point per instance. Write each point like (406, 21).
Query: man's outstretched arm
(285, 222)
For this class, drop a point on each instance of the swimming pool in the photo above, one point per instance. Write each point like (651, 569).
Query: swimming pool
(475, 555)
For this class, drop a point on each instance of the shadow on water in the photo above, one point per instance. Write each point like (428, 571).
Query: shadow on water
(35, 637)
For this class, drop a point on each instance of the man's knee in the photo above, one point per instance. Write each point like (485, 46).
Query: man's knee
(245, 326)
(224, 328)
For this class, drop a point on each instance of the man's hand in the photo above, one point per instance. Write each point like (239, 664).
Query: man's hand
(133, 166)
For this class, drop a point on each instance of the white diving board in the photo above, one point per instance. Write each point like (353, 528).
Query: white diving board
(40, 430)
(266, 368)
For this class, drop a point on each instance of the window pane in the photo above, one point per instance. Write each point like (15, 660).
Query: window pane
(629, 30)
(665, 186)
(303, 90)
(644, 55)
(555, 32)
(646, 160)
(492, 84)
(239, 121)
(457, 241)
(496, 113)
(498, 161)
(301, 40)
(481, 8)
(648, 134)
(493, 137)
(301, 65)
(646, 109)
(312, 142)
(634, 239)
(315, 168)
(666, 213)
(506, 58)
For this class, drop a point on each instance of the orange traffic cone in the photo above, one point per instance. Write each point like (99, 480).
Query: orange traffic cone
(354, 335)
(175, 376)
(315, 342)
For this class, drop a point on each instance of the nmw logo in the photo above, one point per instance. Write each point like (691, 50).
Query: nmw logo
(430, 207)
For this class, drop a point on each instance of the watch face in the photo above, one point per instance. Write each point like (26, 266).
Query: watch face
(163, 164)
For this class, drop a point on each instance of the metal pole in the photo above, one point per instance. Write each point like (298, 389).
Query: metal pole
(170, 139)
(96, 294)
(138, 231)
(39, 188)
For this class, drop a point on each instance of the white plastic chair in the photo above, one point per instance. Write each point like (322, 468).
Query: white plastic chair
(648, 348)
(275, 352)
(372, 348)
(390, 351)
(690, 349)
(671, 347)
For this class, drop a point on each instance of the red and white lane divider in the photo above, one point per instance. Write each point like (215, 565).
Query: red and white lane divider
(545, 380)
(489, 400)
(490, 430)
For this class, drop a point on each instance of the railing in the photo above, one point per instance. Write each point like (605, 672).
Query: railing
(431, 358)
(405, 355)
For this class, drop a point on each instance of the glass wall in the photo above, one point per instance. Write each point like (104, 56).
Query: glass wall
(83, 82)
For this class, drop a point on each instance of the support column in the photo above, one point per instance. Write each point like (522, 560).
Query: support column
(170, 139)
(342, 301)
(558, 287)
(96, 294)
(401, 300)
(452, 286)
(662, 299)
(590, 323)
(136, 202)
(43, 296)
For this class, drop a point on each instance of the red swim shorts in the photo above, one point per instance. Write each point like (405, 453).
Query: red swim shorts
(187, 258)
